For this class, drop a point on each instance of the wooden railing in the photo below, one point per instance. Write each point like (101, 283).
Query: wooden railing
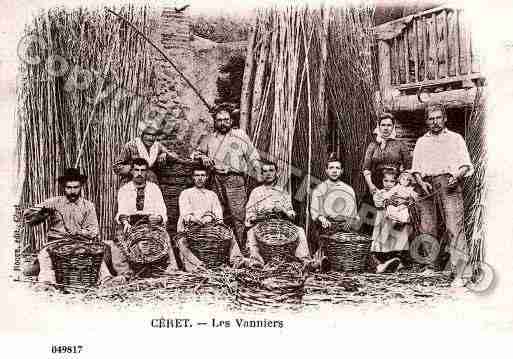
(428, 49)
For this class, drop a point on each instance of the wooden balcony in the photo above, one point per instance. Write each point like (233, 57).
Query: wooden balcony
(433, 50)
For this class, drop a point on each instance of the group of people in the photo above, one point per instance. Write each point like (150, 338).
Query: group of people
(223, 163)
(430, 182)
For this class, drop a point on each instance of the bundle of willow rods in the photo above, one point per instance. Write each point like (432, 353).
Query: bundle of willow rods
(107, 64)
(475, 185)
(300, 62)
(350, 86)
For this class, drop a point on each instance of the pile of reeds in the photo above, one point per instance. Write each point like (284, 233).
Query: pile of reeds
(79, 114)
(475, 185)
(303, 65)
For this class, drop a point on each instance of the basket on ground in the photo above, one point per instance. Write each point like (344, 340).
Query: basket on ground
(76, 263)
(274, 287)
(209, 242)
(276, 239)
(146, 243)
(347, 252)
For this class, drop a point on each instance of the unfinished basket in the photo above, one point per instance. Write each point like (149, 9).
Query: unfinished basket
(276, 239)
(76, 263)
(271, 288)
(347, 252)
(146, 243)
(210, 243)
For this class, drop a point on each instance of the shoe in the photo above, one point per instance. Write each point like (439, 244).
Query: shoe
(389, 266)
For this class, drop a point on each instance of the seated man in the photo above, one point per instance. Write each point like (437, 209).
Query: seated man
(333, 202)
(269, 198)
(200, 205)
(137, 199)
(71, 217)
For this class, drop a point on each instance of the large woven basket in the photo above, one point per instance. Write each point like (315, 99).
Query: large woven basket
(276, 239)
(263, 288)
(210, 243)
(76, 263)
(146, 243)
(347, 252)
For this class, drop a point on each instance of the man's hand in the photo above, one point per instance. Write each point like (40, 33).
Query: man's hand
(154, 219)
(207, 219)
(252, 219)
(325, 223)
(291, 214)
(126, 226)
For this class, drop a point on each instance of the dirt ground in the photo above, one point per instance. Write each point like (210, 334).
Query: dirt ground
(220, 288)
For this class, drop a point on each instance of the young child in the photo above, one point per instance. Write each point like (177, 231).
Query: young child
(400, 195)
(389, 246)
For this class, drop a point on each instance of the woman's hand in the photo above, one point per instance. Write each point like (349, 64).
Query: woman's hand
(291, 214)
(126, 226)
(426, 187)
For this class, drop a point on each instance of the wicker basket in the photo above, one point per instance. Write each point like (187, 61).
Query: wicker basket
(347, 252)
(146, 243)
(76, 263)
(283, 285)
(210, 243)
(276, 239)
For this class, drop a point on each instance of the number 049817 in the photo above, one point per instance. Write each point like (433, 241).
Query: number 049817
(67, 349)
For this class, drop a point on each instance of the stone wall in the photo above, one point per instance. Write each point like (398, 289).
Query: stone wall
(187, 118)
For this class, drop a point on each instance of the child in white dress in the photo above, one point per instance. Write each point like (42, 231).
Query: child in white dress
(398, 198)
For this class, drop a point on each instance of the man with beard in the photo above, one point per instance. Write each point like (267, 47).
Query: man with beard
(137, 199)
(199, 205)
(333, 202)
(230, 153)
(440, 163)
(71, 217)
(270, 198)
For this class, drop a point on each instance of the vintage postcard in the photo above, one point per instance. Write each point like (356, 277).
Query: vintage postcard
(182, 172)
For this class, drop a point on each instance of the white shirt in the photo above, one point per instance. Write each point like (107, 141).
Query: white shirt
(197, 201)
(231, 152)
(440, 154)
(153, 200)
(266, 198)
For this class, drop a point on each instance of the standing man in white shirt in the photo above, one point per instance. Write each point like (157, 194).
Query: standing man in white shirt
(440, 163)
(200, 206)
(137, 198)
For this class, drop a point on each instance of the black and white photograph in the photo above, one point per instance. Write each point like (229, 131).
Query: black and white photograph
(254, 167)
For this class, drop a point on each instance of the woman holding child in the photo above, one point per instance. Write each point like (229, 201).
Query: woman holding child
(385, 158)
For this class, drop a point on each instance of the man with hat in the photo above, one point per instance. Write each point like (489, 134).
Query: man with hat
(145, 146)
(232, 156)
(71, 217)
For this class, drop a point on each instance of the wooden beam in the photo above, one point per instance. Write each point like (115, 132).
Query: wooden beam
(416, 48)
(445, 30)
(439, 82)
(424, 43)
(457, 41)
(434, 42)
(406, 57)
(451, 99)
(385, 76)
